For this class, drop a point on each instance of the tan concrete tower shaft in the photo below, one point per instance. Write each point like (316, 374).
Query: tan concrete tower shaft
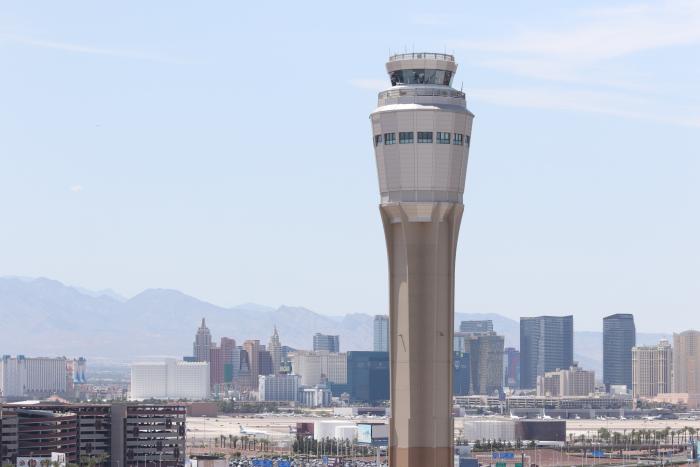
(421, 243)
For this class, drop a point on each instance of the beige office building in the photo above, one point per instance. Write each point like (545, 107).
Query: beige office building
(573, 381)
(652, 369)
(485, 351)
(421, 131)
(686, 362)
(320, 367)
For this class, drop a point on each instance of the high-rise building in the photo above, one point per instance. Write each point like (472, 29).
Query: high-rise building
(274, 346)
(485, 352)
(477, 326)
(170, 379)
(619, 337)
(228, 347)
(461, 374)
(686, 362)
(511, 363)
(326, 342)
(253, 348)
(573, 381)
(241, 368)
(202, 343)
(546, 344)
(265, 366)
(320, 367)
(381, 333)
(368, 376)
(421, 130)
(216, 367)
(36, 377)
(652, 369)
(278, 387)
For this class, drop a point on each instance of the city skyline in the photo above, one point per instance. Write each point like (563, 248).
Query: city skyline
(125, 156)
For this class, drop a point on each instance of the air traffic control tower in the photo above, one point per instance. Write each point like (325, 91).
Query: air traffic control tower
(421, 130)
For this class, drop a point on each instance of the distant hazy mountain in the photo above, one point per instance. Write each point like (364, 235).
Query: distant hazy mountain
(45, 317)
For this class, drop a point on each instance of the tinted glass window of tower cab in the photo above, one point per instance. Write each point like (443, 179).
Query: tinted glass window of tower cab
(421, 76)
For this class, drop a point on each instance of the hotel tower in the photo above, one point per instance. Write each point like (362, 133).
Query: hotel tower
(421, 131)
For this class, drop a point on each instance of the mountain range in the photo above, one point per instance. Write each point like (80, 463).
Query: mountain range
(45, 317)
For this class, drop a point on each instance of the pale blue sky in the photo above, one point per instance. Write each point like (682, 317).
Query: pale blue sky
(224, 149)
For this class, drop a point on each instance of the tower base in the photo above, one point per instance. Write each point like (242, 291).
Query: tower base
(421, 457)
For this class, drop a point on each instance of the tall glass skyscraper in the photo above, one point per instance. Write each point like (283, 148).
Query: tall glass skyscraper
(368, 376)
(619, 337)
(546, 344)
(381, 333)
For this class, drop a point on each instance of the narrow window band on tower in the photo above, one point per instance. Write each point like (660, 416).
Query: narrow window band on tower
(389, 138)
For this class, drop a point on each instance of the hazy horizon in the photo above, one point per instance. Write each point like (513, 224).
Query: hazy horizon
(108, 291)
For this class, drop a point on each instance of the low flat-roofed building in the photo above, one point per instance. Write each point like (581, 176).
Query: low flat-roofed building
(691, 401)
(540, 430)
(595, 401)
(170, 379)
(474, 429)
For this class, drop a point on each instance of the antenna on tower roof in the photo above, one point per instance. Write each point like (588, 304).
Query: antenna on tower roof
(461, 87)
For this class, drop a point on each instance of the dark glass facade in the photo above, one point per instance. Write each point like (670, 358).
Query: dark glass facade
(421, 76)
(512, 368)
(326, 342)
(368, 376)
(619, 336)
(461, 374)
(476, 326)
(546, 344)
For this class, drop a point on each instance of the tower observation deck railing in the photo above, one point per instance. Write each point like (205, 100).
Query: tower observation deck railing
(387, 97)
(421, 56)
